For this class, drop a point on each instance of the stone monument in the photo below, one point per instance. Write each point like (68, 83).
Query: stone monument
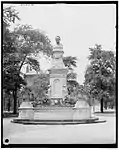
(81, 113)
(58, 75)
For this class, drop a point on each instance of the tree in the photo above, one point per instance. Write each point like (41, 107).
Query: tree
(100, 74)
(20, 49)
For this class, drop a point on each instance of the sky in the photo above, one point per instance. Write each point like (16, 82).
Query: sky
(79, 26)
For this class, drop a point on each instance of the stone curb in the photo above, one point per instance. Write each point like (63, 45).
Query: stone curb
(57, 122)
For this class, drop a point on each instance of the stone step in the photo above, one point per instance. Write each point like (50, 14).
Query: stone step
(58, 122)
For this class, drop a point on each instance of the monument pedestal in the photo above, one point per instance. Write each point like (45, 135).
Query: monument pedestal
(58, 76)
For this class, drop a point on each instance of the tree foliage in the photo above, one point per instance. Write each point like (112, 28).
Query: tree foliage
(19, 48)
(100, 74)
(31, 41)
(9, 16)
(70, 62)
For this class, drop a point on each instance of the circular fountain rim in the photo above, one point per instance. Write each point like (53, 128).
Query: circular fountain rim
(58, 122)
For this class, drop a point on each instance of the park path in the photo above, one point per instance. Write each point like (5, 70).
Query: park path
(99, 133)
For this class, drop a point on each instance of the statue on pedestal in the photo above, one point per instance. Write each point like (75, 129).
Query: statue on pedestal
(58, 39)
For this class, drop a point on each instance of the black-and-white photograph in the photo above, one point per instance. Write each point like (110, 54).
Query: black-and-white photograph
(59, 73)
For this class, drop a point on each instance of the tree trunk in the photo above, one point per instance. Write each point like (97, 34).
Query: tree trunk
(15, 101)
(101, 106)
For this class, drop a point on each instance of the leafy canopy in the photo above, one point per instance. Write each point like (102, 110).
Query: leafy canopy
(100, 74)
(70, 62)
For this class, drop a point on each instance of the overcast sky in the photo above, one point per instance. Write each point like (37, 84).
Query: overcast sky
(79, 26)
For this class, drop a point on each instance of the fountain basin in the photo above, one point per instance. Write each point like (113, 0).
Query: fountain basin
(55, 113)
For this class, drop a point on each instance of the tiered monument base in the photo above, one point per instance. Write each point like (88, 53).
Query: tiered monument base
(55, 115)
